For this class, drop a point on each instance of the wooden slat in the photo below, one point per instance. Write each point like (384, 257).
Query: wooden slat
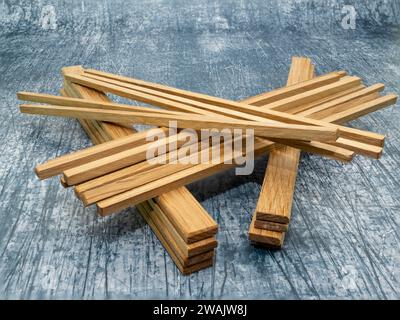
(277, 191)
(168, 246)
(229, 106)
(193, 215)
(363, 109)
(86, 103)
(58, 165)
(196, 122)
(272, 226)
(261, 99)
(102, 166)
(181, 178)
(277, 116)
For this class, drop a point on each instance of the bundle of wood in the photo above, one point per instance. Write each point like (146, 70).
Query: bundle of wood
(305, 115)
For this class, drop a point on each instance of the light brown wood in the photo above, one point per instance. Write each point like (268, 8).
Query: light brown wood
(228, 106)
(196, 122)
(58, 165)
(188, 250)
(181, 178)
(323, 110)
(104, 165)
(168, 246)
(112, 131)
(276, 196)
(266, 237)
(261, 99)
(86, 103)
(191, 230)
(173, 102)
(241, 115)
(360, 148)
(363, 109)
(141, 178)
(272, 226)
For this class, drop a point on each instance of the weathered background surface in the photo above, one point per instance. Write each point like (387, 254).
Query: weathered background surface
(344, 238)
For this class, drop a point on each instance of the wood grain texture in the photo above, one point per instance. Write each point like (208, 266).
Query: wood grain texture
(180, 253)
(196, 122)
(296, 104)
(276, 196)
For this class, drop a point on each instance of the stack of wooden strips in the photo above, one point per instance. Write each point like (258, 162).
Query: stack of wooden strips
(306, 115)
(181, 224)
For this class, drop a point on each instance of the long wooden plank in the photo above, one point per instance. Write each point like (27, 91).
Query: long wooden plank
(196, 122)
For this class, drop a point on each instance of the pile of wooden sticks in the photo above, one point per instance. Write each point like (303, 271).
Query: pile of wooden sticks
(306, 115)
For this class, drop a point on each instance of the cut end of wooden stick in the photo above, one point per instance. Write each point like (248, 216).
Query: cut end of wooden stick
(72, 69)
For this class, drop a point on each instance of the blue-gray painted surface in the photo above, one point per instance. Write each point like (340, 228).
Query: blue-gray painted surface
(344, 236)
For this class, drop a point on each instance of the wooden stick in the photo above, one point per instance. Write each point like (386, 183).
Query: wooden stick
(323, 110)
(169, 246)
(272, 226)
(260, 99)
(363, 109)
(232, 106)
(274, 130)
(173, 102)
(138, 179)
(181, 178)
(195, 214)
(277, 191)
(122, 159)
(240, 115)
(86, 103)
(266, 237)
(58, 165)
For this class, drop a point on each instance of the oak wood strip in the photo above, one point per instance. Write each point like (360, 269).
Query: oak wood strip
(138, 179)
(272, 130)
(363, 109)
(193, 214)
(179, 262)
(188, 250)
(300, 109)
(232, 107)
(58, 165)
(191, 230)
(272, 226)
(322, 111)
(85, 103)
(261, 99)
(265, 237)
(229, 106)
(102, 166)
(155, 188)
(276, 196)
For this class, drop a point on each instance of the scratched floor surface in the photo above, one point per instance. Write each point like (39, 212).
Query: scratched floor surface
(344, 236)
